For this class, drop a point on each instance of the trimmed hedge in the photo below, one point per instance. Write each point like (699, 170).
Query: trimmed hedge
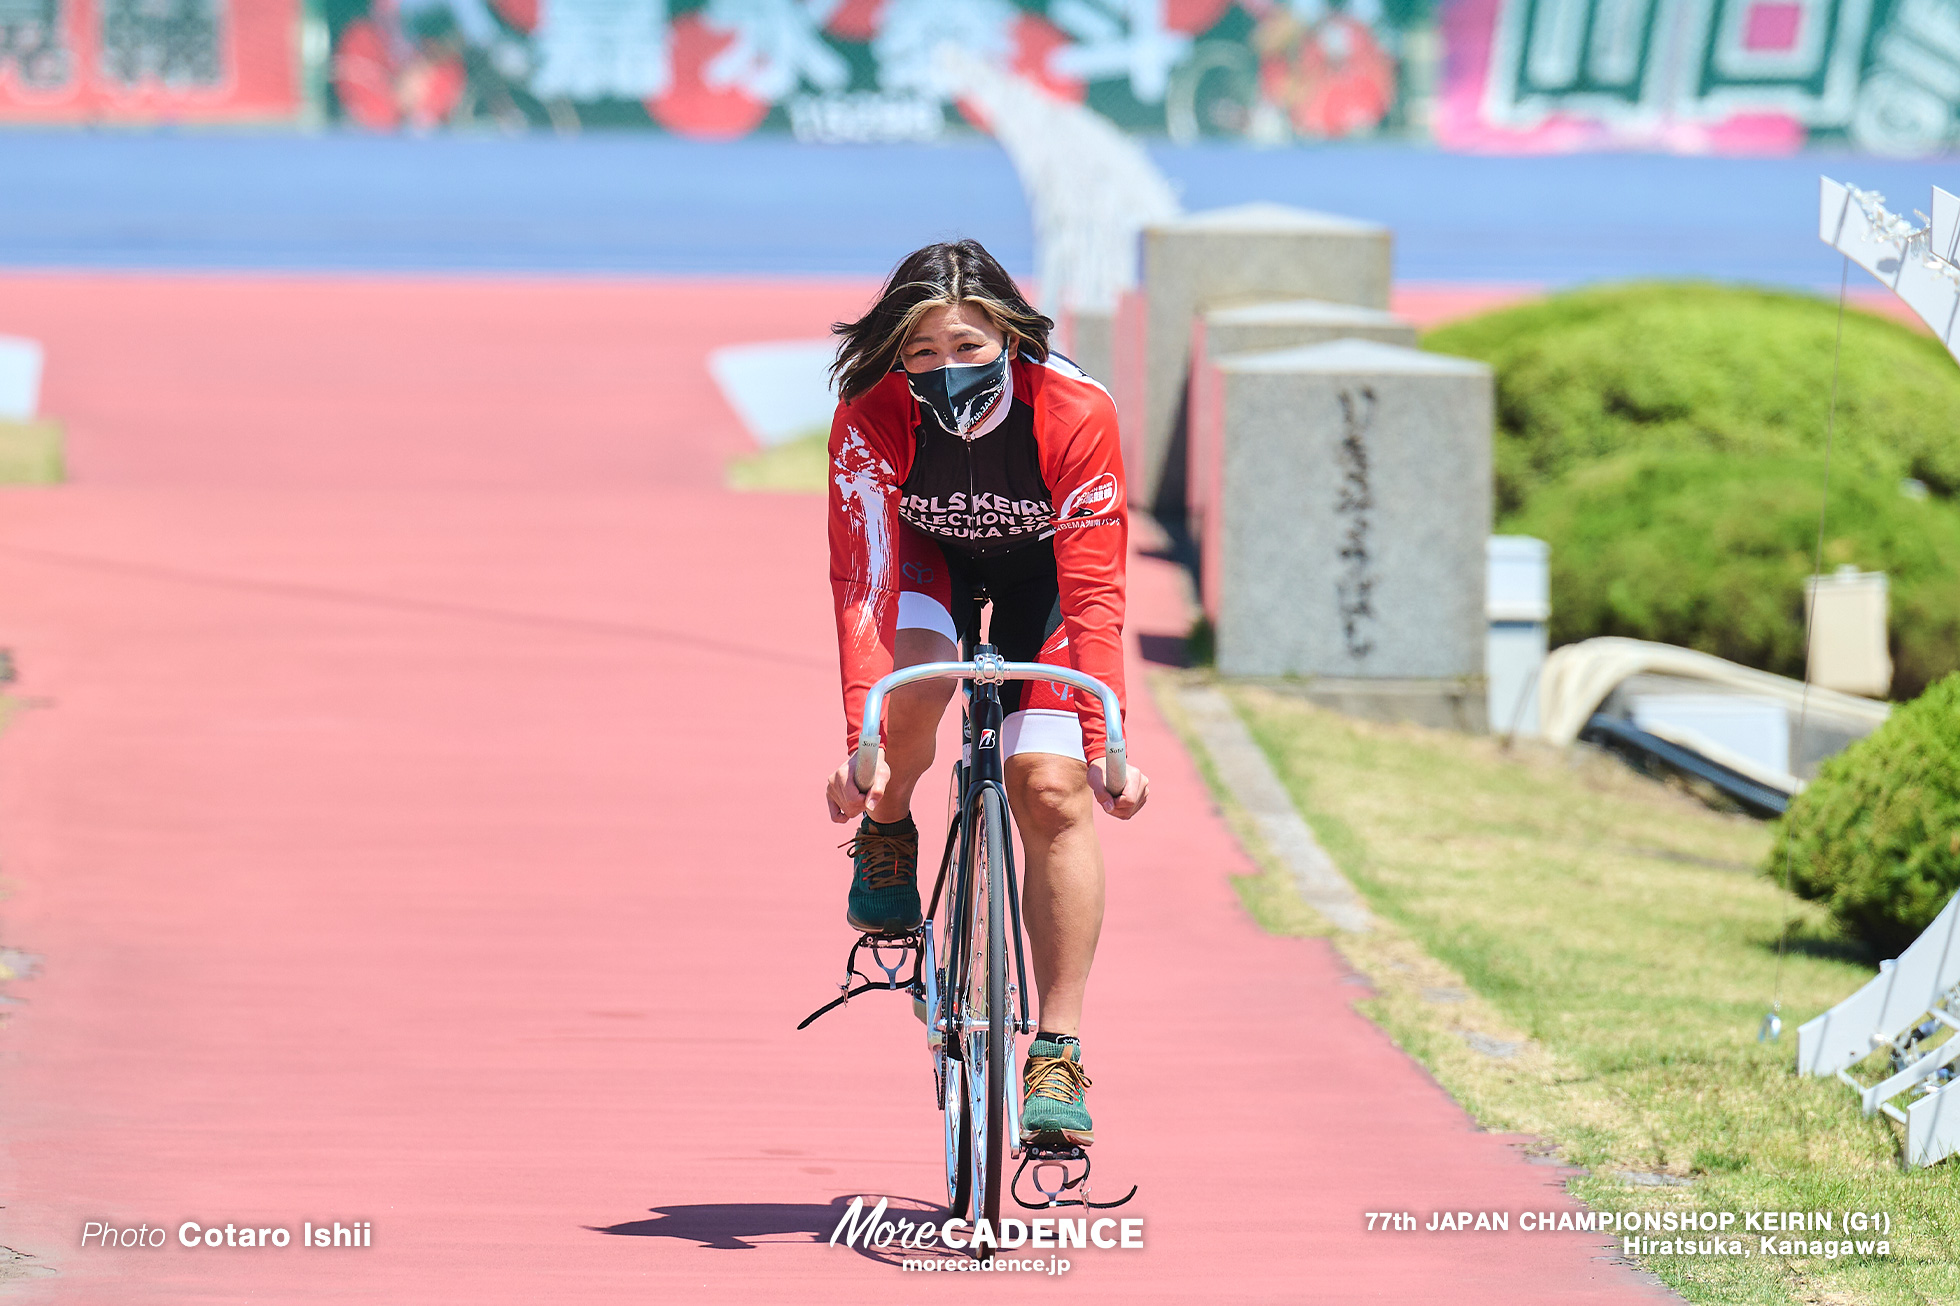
(1594, 373)
(1876, 837)
(1709, 551)
(1666, 440)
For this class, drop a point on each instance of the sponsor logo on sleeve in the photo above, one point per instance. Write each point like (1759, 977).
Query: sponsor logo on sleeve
(1090, 503)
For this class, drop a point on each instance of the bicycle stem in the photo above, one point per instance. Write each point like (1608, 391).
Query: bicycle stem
(992, 671)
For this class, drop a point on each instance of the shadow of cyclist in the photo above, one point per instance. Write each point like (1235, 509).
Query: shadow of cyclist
(743, 1226)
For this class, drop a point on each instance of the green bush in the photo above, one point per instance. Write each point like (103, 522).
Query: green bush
(1709, 551)
(1599, 372)
(1876, 838)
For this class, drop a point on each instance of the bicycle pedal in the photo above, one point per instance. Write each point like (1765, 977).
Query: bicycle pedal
(909, 939)
(1052, 1147)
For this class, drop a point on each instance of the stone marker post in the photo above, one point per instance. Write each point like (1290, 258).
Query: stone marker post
(1254, 328)
(1216, 259)
(1355, 496)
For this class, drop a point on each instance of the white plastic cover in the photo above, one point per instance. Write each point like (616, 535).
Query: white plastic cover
(1904, 257)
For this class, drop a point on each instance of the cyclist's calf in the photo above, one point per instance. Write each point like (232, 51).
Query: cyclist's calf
(912, 715)
(1063, 899)
(910, 728)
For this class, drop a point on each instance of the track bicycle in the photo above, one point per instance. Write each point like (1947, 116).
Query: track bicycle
(973, 1008)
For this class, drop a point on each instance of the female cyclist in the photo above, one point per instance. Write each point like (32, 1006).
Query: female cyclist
(969, 461)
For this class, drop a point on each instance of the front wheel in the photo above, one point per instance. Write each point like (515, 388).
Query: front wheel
(989, 1043)
(949, 1072)
(959, 1144)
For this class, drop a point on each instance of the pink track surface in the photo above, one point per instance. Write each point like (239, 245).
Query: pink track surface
(418, 824)
(1430, 305)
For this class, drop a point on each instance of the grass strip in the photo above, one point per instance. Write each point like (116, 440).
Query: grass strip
(797, 466)
(31, 453)
(1582, 955)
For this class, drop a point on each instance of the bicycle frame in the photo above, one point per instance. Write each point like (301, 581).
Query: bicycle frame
(981, 769)
(954, 1032)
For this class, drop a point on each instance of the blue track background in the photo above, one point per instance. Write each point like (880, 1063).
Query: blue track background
(631, 204)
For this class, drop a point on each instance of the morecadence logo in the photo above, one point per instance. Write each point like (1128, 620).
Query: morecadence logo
(870, 1229)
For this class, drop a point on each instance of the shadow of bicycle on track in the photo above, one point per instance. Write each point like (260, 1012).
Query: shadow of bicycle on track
(745, 1226)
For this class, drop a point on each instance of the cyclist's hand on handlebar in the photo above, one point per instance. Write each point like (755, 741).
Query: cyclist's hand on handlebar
(1136, 791)
(845, 798)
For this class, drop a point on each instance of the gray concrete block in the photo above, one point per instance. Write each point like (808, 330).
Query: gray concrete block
(1253, 328)
(1091, 342)
(1290, 323)
(1355, 500)
(1225, 257)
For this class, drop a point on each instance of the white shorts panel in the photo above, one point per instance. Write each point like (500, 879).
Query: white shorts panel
(918, 611)
(1042, 730)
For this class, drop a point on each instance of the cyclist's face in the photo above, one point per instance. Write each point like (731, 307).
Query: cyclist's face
(959, 333)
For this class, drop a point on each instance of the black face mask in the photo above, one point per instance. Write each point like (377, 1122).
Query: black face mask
(962, 396)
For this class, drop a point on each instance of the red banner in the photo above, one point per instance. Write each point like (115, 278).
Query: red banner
(137, 61)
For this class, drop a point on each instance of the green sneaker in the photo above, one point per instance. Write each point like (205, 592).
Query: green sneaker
(1052, 1087)
(884, 880)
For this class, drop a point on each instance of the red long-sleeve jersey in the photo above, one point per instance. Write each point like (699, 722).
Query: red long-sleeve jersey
(873, 439)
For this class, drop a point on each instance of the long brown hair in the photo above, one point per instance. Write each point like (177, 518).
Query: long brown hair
(938, 276)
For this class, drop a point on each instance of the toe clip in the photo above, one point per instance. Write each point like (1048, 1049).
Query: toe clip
(879, 944)
(1051, 1178)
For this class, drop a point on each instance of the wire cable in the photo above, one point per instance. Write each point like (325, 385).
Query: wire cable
(1773, 1019)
